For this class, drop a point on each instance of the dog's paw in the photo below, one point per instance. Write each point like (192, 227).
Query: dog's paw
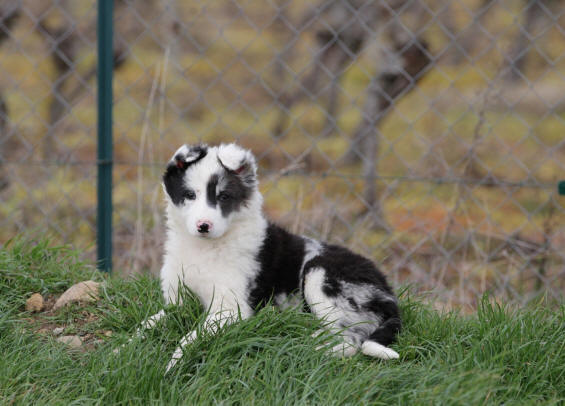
(374, 349)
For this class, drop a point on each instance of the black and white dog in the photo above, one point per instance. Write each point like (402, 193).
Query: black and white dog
(220, 245)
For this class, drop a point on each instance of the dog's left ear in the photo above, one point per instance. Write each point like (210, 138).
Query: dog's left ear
(238, 161)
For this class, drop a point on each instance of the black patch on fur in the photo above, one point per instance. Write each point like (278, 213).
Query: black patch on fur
(280, 259)
(235, 191)
(342, 264)
(386, 333)
(331, 287)
(211, 190)
(173, 179)
(353, 303)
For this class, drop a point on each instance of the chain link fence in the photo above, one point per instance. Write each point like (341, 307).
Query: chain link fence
(427, 135)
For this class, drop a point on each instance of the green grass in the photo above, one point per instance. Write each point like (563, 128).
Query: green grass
(498, 355)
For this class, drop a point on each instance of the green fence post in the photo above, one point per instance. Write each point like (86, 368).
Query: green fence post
(105, 67)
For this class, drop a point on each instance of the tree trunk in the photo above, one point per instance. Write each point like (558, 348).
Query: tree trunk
(62, 40)
(468, 41)
(4, 183)
(516, 61)
(9, 14)
(383, 91)
(339, 41)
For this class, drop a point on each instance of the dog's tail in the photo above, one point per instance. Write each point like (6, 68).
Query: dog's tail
(385, 334)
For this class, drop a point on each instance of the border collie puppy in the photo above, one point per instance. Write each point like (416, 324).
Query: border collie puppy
(220, 246)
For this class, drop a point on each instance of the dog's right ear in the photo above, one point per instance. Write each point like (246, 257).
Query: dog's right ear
(187, 155)
(173, 179)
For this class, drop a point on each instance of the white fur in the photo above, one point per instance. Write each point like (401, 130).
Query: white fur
(312, 248)
(232, 156)
(218, 267)
(373, 349)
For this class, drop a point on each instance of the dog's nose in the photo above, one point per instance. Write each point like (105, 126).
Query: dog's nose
(203, 226)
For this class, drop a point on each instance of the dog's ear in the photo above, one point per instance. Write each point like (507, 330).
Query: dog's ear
(187, 155)
(239, 161)
(173, 177)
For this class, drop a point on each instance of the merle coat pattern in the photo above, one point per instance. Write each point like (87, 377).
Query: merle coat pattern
(220, 245)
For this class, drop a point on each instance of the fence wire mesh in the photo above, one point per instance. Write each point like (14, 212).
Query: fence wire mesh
(426, 134)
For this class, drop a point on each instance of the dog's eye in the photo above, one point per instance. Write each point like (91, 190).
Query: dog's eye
(224, 197)
(190, 195)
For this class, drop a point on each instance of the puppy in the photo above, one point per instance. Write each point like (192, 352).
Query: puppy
(220, 245)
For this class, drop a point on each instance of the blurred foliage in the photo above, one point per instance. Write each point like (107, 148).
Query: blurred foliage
(217, 81)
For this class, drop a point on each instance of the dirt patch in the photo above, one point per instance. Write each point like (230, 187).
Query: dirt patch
(72, 333)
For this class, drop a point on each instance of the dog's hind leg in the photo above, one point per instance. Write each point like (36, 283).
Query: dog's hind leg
(376, 345)
(359, 328)
(323, 307)
(344, 349)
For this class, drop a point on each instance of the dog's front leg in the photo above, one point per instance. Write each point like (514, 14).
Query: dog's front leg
(146, 324)
(213, 323)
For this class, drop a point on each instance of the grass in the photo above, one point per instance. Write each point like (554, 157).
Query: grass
(497, 355)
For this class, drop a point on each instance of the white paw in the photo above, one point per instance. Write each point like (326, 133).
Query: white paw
(374, 349)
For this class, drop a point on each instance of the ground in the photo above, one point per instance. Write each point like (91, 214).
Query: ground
(496, 355)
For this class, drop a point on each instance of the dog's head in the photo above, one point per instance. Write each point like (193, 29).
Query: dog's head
(209, 187)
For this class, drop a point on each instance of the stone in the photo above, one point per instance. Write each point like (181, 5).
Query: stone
(35, 303)
(57, 331)
(86, 291)
(71, 341)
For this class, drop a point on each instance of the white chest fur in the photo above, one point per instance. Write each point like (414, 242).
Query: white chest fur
(219, 271)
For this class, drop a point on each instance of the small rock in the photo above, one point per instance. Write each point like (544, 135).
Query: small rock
(58, 331)
(35, 303)
(71, 341)
(81, 292)
(108, 333)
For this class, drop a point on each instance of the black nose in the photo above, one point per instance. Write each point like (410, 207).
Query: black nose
(203, 228)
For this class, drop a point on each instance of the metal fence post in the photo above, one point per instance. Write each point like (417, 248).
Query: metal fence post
(105, 62)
